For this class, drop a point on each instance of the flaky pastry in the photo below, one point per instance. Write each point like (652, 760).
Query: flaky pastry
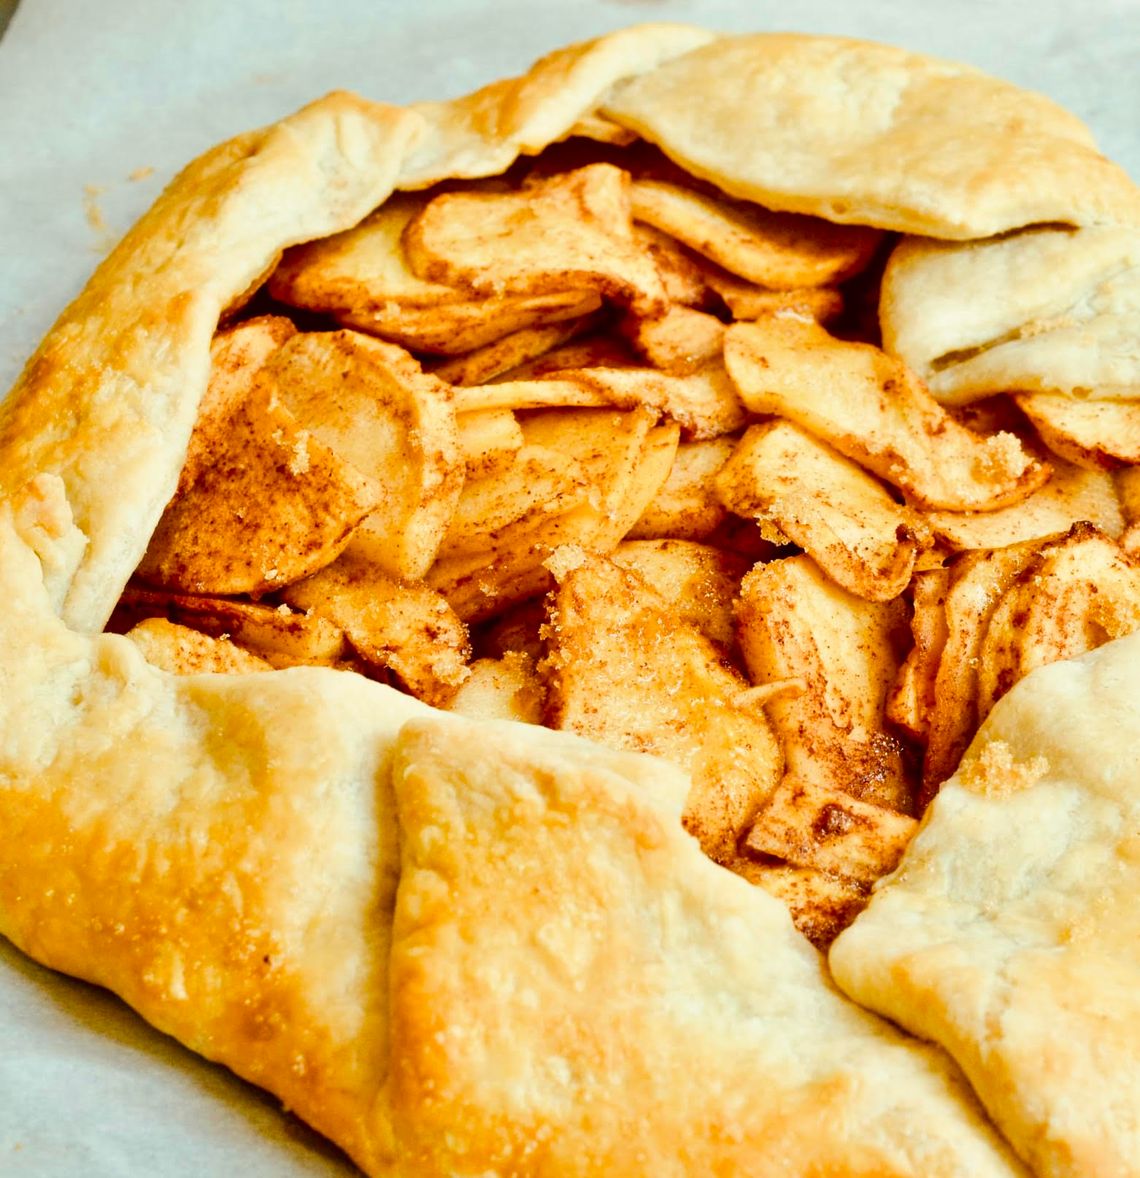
(1009, 935)
(486, 948)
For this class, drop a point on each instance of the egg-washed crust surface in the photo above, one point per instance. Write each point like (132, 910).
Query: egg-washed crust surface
(218, 850)
(222, 851)
(624, 1020)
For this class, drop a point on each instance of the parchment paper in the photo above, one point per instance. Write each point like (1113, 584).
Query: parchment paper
(100, 103)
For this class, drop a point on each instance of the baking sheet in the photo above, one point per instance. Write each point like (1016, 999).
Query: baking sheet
(99, 105)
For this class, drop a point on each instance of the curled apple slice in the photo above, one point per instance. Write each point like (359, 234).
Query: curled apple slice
(874, 410)
(781, 251)
(183, 651)
(622, 458)
(976, 585)
(406, 629)
(826, 504)
(520, 347)
(373, 405)
(362, 278)
(1102, 435)
(275, 633)
(1076, 593)
(540, 481)
(687, 506)
(261, 501)
(794, 623)
(1071, 495)
(627, 672)
(570, 232)
(913, 697)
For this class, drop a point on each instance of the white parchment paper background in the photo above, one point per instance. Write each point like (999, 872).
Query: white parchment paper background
(100, 103)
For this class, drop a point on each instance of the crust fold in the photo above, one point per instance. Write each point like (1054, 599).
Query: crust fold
(574, 989)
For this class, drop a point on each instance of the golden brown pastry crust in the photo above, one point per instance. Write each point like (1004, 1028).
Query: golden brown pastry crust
(1010, 933)
(218, 850)
(629, 1007)
(110, 397)
(483, 133)
(844, 129)
(222, 852)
